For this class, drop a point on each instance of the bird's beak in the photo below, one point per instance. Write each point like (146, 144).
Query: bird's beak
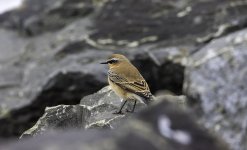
(104, 62)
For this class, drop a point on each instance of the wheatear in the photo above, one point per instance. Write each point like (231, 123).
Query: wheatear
(126, 81)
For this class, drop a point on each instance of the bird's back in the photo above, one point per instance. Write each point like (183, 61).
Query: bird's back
(129, 78)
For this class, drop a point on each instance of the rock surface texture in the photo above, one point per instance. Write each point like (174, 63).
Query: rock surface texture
(216, 79)
(94, 111)
(161, 126)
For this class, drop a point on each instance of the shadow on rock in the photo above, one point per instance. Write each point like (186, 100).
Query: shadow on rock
(63, 88)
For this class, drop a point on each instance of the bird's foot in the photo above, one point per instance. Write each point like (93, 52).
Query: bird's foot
(118, 113)
(129, 111)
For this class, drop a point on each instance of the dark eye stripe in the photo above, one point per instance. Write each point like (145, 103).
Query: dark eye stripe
(112, 61)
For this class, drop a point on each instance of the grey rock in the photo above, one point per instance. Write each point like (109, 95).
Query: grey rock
(26, 66)
(60, 117)
(94, 111)
(62, 88)
(103, 104)
(11, 76)
(216, 82)
(38, 16)
(172, 22)
(48, 63)
(161, 126)
(9, 50)
(55, 69)
(29, 65)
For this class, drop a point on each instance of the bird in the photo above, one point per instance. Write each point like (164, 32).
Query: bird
(127, 82)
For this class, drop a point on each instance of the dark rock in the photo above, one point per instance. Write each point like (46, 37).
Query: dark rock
(37, 16)
(27, 64)
(216, 82)
(63, 88)
(145, 21)
(162, 126)
(165, 73)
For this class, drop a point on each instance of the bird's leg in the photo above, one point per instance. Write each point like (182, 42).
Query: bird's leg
(120, 110)
(133, 109)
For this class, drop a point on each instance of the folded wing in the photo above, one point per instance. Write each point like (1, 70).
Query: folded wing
(138, 87)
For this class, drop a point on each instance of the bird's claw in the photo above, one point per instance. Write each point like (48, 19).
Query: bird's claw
(118, 113)
(129, 111)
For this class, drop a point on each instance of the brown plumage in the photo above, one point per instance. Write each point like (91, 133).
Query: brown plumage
(126, 81)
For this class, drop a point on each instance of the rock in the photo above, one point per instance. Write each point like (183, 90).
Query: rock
(161, 126)
(216, 82)
(52, 37)
(63, 88)
(44, 75)
(166, 65)
(26, 66)
(61, 69)
(60, 117)
(103, 104)
(133, 23)
(96, 110)
(38, 16)
(10, 51)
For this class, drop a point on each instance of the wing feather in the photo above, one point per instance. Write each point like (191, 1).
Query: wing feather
(139, 87)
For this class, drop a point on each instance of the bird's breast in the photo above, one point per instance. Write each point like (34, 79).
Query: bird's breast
(117, 89)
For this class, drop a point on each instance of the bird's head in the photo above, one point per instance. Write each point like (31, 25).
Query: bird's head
(115, 60)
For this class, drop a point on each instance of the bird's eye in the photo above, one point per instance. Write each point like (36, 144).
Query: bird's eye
(112, 61)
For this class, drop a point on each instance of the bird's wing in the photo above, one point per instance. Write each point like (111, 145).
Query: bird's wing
(138, 87)
(116, 78)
